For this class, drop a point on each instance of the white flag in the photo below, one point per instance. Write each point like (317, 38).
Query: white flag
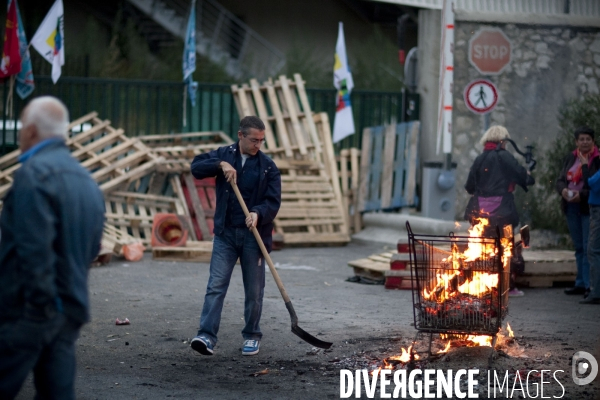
(343, 125)
(49, 40)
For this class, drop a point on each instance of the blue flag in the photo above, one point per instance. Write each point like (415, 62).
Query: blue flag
(189, 55)
(25, 84)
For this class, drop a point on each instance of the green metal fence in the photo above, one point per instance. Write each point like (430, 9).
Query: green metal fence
(156, 107)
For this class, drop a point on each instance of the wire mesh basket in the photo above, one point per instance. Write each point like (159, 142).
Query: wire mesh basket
(460, 283)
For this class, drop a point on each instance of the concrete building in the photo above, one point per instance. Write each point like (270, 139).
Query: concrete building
(554, 56)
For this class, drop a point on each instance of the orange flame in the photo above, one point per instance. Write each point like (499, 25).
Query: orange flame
(480, 340)
(446, 348)
(510, 331)
(405, 356)
(480, 282)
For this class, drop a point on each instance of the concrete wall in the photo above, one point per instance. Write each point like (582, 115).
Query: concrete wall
(552, 61)
(428, 81)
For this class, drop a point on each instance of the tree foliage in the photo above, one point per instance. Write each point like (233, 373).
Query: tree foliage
(545, 209)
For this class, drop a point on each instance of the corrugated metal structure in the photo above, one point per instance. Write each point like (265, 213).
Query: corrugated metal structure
(586, 8)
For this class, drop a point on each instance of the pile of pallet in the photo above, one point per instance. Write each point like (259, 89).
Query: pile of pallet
(139, 178)
(388, 170)
(391, 267)
(144, 176)
(312, 209)
(348, 166)
(543, 268)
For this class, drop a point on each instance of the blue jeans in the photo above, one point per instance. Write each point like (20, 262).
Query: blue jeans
(46, 347)
(594, 251)
(234, 243)
(579, 228)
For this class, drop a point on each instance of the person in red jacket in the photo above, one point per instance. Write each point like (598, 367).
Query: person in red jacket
(572, 185)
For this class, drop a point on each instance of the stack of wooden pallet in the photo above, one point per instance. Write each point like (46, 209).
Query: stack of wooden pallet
(348, 162)
(388, 171)
(543, 268)
(312, 209)
(143, 176)
(392, 267)
(138, 179)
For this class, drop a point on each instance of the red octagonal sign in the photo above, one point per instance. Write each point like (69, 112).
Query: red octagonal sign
(489, 51)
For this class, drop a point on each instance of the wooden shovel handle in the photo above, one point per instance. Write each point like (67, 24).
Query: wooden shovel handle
(265, 253)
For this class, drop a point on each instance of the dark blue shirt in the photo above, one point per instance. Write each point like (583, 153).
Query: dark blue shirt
(247, 180)
(266, 195)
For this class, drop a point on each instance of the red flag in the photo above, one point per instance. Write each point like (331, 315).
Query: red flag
(11, 57)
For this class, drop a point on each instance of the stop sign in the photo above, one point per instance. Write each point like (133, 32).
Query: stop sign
(489, 51)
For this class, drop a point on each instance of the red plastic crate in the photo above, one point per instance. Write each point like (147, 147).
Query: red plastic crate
(402, 246)
(400, 261)
(206, 189)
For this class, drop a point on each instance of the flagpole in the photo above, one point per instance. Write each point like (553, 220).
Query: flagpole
(184, 103)
(9, 100)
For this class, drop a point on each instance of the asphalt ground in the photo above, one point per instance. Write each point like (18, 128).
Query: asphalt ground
(151, 358)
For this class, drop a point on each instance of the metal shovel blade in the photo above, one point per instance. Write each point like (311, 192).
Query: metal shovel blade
(310, 339)
(301, 333)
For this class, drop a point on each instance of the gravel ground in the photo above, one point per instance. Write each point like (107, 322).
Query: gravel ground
(152, 359)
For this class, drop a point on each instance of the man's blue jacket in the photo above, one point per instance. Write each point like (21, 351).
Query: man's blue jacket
(265, 200)
(51, 223)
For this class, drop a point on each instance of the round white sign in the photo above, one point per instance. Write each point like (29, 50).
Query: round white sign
(481, 96)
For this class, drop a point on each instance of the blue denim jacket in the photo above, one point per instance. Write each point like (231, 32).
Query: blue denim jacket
(51, 224)
(594, 183)
(265, 200)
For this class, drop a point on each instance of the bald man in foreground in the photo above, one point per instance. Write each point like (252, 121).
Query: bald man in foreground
(51, 227)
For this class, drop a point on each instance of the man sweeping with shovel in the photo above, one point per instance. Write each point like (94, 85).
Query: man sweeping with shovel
(259, 183)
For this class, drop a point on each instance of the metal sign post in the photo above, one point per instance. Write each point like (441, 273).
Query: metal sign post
(444, 134)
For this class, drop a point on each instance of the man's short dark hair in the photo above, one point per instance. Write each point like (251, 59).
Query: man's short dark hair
(251, 122)
(583, 130)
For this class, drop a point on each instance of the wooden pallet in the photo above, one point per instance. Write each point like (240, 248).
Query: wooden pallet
(187, 139)
(542, 268)
(373, 266)
(389, 182)
(348, 162)
(192, 252)
(9, 163)
(201, 199)
(545, 268)
(114, 239)
(178, 150)
(113, 159)
(312, 210)
(133, 213)
(284, 108)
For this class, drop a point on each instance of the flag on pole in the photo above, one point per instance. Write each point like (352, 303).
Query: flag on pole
(189, 55)
(11, 58)
(49, 40)
(343, 124)
(25, 83)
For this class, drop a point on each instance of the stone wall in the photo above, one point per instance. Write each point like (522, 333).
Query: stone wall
(549, 65)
